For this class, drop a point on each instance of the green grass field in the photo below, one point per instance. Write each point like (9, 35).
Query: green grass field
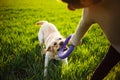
(20, 51)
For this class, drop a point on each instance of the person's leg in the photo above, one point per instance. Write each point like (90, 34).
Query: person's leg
(110, 60)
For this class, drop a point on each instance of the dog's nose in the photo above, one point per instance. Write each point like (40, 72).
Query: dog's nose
(61, 43)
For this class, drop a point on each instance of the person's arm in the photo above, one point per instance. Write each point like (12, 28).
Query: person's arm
(82, 28)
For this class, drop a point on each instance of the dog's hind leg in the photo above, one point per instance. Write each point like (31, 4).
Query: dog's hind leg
(47, 59)
(41, 37)
(41, 40)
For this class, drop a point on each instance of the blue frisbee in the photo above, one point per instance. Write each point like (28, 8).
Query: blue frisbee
(71, 48)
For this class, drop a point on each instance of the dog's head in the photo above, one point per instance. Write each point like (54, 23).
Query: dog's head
(55, 45)
(76, 4)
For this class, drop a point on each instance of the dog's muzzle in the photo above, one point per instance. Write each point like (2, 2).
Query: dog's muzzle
(61, 45)
(64, 49)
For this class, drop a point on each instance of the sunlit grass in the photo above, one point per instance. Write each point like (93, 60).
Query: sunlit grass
(19, 46)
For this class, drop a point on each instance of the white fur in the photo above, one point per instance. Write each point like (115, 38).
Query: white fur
(48, 35)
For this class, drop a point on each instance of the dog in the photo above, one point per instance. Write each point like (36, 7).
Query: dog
(107, 14)
(49, 36)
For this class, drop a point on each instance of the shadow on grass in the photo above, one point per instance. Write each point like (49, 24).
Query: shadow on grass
(27, 64)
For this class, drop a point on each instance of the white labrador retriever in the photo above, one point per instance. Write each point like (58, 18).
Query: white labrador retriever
(50, 37)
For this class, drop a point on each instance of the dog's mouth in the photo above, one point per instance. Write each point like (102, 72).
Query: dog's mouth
(64, 49)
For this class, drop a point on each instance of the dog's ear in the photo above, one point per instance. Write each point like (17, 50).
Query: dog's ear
(43, 51)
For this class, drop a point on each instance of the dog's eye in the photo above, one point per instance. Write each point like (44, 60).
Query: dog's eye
(60, 38)
(55, 43)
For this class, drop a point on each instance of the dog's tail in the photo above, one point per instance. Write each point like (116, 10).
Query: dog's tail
(40, 23)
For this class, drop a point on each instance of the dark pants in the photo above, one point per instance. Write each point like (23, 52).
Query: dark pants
(110, 60)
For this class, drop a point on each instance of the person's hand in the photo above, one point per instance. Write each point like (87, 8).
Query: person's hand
(74, 42)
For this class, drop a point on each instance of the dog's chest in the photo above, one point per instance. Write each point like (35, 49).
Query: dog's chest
(54, 56)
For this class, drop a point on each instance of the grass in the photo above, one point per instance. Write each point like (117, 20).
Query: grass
(20, 50)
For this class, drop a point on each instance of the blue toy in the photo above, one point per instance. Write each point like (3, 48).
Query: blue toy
(60, 53)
